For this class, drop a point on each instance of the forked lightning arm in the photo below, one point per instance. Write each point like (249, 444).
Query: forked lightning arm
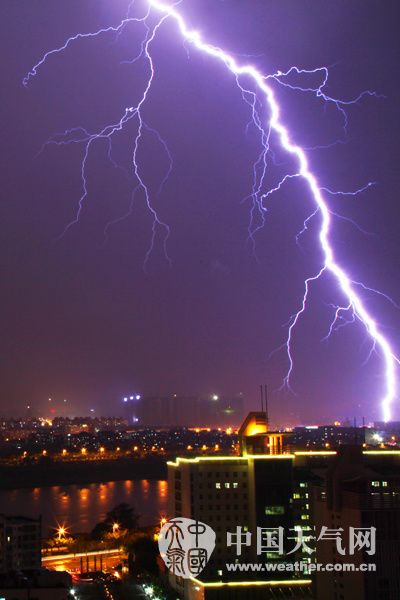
(275, 124)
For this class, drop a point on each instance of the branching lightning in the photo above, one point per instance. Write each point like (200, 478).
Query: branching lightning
(257, 90)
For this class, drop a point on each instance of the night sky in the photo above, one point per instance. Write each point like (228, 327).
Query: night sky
(80, 317)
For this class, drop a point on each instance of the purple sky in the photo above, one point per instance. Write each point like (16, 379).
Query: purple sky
(81, 319)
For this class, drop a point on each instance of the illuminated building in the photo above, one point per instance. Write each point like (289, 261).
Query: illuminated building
(266, 488)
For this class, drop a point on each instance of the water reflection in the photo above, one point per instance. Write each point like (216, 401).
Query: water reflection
(80, 507)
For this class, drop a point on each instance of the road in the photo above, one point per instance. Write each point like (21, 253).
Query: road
(92, 561)
(109, 591)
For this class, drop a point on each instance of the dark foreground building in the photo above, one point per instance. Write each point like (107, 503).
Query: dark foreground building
(21, 574)
(20, 543)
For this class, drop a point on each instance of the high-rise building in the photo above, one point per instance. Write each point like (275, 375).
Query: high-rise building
(269, 489)
(360, 490)
(184, 411)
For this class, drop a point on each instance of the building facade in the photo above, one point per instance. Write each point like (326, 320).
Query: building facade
(265, 492)
(20, 543)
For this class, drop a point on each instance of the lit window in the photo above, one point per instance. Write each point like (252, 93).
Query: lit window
(274, 510)
(218, 486)
(235, 485)
(227, 485)
(304, 517)
(296, 496)
(384, 483)
(375, 483)
(303, 485)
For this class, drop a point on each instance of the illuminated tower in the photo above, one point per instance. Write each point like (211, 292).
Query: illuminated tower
(255, 437)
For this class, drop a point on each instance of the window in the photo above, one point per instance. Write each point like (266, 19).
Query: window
(303, 484)
(227, 485)
(384, 483)
(375, 483)
(218, 485)
(296, 496)
(235, 485)
(274, 510)
(304, 517)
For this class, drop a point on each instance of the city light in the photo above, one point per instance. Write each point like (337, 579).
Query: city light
(61, 532)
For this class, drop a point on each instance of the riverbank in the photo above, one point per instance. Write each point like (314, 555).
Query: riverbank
(81, 472)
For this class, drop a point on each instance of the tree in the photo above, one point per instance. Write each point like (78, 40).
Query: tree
(143, 552)
(122, 517)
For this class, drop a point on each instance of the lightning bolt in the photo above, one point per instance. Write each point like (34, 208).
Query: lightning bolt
(257, 91)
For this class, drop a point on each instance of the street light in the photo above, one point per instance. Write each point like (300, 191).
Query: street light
(61, 532)
(115, 527)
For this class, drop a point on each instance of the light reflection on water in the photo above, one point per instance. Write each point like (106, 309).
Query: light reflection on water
(80, 507)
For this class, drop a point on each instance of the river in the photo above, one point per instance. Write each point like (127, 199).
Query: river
(80, 507)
